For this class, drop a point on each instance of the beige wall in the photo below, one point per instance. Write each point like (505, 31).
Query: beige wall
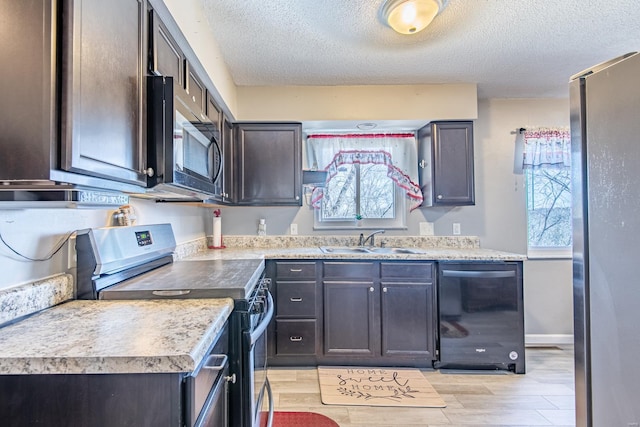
(404, 102)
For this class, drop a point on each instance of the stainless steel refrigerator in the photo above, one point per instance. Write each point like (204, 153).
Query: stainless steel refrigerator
(605, 141)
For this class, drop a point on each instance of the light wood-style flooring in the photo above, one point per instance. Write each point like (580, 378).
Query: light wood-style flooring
(544, 396)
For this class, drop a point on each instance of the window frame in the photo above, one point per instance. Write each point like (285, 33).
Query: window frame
(398, 222)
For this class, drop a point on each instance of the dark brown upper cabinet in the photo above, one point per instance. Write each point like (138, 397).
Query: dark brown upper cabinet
(72, 97)
(445, 156)
(165, 56)
(268, 160)
(103, 130)
(196, 93)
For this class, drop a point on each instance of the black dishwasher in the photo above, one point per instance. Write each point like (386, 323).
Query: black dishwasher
(481, 316)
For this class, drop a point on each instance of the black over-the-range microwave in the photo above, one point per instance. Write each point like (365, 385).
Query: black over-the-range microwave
(184, 148)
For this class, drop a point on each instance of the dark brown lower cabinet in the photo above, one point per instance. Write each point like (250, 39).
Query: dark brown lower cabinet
(367, 312)
(407, 324)
(351, 319)
(98, 400)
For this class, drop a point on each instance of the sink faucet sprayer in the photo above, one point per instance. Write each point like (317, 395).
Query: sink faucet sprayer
(370, 238)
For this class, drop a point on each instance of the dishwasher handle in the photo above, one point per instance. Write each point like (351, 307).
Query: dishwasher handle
(487, 274)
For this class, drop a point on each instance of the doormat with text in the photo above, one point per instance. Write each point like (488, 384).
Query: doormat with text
(366, 386)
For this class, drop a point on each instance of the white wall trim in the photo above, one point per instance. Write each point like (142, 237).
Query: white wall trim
(534, 340)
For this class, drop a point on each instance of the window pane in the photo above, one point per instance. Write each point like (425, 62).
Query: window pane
(339, 200)
(549, 207)
(376, 192)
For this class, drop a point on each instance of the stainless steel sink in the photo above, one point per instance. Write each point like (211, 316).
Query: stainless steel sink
(344, 250)
(367, 250)
(394, 251)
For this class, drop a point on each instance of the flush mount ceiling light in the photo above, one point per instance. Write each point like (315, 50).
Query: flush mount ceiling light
(411, 16)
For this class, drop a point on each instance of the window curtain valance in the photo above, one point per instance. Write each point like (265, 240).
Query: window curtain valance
(549, 147)
(398, 151)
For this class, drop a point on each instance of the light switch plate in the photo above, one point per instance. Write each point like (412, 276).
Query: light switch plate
(293, 229)
(426, 229)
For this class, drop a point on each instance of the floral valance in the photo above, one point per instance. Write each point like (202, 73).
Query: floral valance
(547, 147)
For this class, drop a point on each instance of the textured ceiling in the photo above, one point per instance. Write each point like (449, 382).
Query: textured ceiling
(510, 48)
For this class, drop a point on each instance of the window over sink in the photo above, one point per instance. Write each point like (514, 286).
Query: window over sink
(370, 179)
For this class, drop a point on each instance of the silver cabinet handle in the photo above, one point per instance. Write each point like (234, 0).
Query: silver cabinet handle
(295, 270)
(295, 339)
(439, 196)
(295, 299)
(231, 378)
(149, 172)
(216, 362)
(423, 163)
(384, 289)
(371, 289)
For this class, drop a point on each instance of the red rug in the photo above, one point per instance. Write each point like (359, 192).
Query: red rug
(299, 419)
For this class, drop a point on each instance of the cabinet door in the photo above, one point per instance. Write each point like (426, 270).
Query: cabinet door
(351, 323)
(103, 132)
(446, 163)
(269, 163)
(453, 163)
(407, 313)
(166, 57)
(27, 84)
(196, 93)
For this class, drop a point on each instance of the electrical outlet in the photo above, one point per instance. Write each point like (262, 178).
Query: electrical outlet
(293, 229)
(456, 228)
(426, 229)
(72, 259)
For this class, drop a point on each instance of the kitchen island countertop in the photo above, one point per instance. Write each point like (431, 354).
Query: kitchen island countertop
(100, 337)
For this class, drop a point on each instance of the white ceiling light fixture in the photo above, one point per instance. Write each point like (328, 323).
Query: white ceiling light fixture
(411, 16)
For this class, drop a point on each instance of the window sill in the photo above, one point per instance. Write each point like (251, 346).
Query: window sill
(549, 253)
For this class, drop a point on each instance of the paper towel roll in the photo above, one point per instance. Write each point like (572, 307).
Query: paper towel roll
(217, 232)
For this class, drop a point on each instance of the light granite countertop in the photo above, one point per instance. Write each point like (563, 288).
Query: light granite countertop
(88, 337)
(430, 254)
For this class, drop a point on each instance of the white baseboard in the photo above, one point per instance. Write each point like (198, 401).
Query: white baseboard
(541, 340)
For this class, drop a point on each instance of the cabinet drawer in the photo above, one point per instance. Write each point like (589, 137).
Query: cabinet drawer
(296, 299)
(407, 270)
(295, 337)
(295, 270)
(349, 270)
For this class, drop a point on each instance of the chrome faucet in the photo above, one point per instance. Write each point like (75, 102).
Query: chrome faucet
(370, 238)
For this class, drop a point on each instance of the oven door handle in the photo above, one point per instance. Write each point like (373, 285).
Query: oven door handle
(262, 326)
(271, 408)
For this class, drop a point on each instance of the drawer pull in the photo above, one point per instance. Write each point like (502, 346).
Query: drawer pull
(371, 289)
(384, 289)
(295, 299)
(216, 362)
(295, 270)
(295, 339)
